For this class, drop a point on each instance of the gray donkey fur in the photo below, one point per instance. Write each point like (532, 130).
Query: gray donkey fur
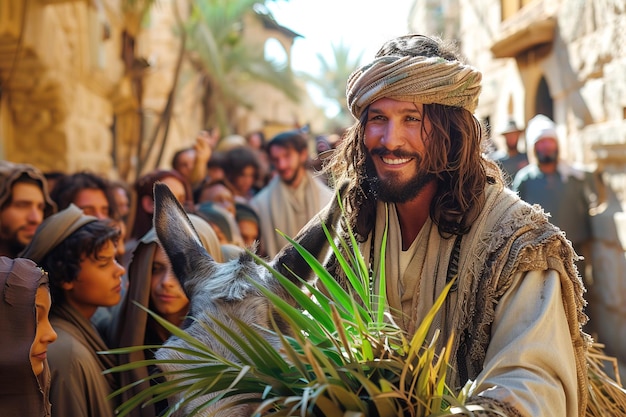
(223, 290)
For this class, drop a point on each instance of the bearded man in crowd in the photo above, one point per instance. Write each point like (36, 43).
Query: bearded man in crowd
(293, 196)
(24, 203)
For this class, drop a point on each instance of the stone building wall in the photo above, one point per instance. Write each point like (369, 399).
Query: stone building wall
(272, 110)
(158, 43)
(71, 100)
(567, 57)
(57, 70)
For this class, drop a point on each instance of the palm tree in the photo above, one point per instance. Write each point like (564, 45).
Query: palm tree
(333, 78)
(219, 50)
(212, 40)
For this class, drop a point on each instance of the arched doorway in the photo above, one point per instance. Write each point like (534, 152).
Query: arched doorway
(275, 51)
(543, 100)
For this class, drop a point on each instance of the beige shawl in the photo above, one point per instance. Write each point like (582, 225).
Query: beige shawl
(21, 392)
(509, 238)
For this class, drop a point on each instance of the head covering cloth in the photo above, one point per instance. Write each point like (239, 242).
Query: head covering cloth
(511, 127)
(231, 142)
(540, 127)
(54, 230)
(244, 211)
(415, 79)
(21, 392)
(222, 218)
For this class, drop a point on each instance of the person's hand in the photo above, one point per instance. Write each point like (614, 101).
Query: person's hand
(203, 147)
(214, 134)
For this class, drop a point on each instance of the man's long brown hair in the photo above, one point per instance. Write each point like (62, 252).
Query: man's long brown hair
(453, 155)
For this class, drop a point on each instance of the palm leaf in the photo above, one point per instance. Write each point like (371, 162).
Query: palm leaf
(342, 356)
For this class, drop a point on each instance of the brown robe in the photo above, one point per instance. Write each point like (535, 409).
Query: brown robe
(78, 386)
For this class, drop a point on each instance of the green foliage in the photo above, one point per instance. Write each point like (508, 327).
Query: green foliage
(333, 78)
(218, 49)
(344, 355)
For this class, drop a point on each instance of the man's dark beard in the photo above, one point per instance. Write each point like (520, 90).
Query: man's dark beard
(392, 191)
(292, 179)
(547, 158)
(10, 243)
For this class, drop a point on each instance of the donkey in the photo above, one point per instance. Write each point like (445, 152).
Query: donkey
(223, 291)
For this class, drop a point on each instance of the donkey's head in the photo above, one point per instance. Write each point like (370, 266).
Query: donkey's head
(201, 277)
(223, 291)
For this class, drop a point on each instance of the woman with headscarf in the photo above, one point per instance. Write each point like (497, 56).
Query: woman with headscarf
(153, 284)
(78, 252)
(26, 333)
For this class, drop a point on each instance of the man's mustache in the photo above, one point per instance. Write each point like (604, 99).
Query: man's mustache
(396, 152)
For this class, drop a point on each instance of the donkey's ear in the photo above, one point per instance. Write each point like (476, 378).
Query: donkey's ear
(178, 236)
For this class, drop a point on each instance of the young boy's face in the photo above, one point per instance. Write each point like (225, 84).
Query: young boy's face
(98, 284)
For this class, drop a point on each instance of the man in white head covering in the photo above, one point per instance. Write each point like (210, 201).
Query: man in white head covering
(564, 191)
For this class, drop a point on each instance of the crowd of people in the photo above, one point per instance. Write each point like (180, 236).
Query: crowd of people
(93, 245)
(415, 171)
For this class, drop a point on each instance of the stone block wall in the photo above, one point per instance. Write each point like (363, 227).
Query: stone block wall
(62, 72)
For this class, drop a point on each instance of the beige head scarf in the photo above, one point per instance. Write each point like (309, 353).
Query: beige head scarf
(207, 236)
(54, 230)
(416, 79)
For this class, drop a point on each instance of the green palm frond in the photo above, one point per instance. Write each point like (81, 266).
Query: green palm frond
(343, 356)
(228, 61)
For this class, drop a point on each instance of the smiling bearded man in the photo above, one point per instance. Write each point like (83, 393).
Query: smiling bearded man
(413, 163)
(292, 197)
(392, 191)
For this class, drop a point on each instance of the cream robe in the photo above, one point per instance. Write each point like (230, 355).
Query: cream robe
(281, 207)
(516, 290)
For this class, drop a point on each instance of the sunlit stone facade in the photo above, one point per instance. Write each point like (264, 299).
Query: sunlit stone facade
(565, 59)
(83, 82)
